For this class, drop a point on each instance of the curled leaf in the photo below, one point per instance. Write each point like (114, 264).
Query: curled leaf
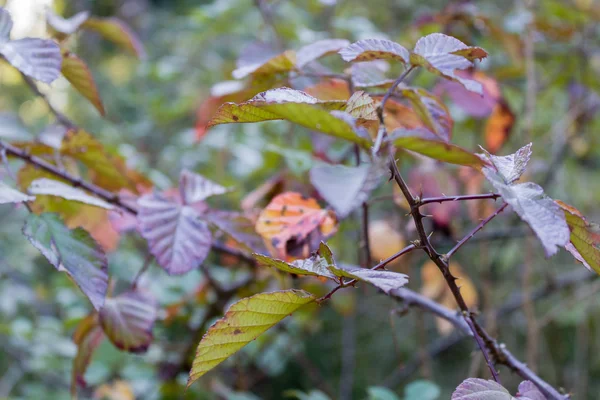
(87, 337)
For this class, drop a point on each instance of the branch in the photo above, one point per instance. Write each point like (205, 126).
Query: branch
(442, 199)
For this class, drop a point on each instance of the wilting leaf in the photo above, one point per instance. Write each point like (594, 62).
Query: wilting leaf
(434, 287)
(116, 31)
(473, 104)
(374, 49)
(345, 188)
(176, 236)
(431, 111)
(498, 127)
(585, 237)
(331, 89)
(480, 389)
(383, 280)
(194, 187)
(291, 220)
(384, 241)
(10, 195)
(361, 106)
(315, 266)
(443, 54)
(70, 251)
(527, 199)
(127, 320)
(294, 106)
(528, 391)
(318, 49)
(37, 58)
(280, 63)
(424, 142)
(66, 25)
(45, 186)
(243, 322)
(370, 74)
(88, 336)
(76, 71)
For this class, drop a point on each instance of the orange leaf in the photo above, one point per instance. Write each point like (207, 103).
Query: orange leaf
(332, 89)
(498, 127)
(293, 225)
(384, 241)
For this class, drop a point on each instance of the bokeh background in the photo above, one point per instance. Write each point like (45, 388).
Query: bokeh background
(544, 60)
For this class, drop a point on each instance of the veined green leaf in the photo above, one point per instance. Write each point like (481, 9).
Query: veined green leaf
(243, 322)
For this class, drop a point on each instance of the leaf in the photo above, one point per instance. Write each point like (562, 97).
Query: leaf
(87, 337)
(315, 266)
(422, 390)
(318, 49)
(66, 25)
(76, 71)
(528, 391)
(474, 104)
(243, 322)
(370, 74)
(330, 89)
(10, 195)
(294, 106)
(6, 24)
(70, 251)
(237, 226)
(585, 237)
(278, 64)
(39, 59)
(176, 236)
(345, 188)
(498, 127)
(127, 320)
(119, 390)
(398, 115)
(384, 241)
(381, 393)
(528, 199)
(292, 219)
(45, 186)
(431, 111)
(374, 49)
(384, 280)
(195, 188)
(424, 142)
(480, 389)
(117, 32)
(442, 55)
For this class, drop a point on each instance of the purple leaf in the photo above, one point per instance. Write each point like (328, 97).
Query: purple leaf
(528, 391)
(176, 236)
(316, 50)
(480, 389)
(70, 251)
(127, 320)
(370, 74)
(373, 49)
(37, 58)
(195, 188)
(345, 188)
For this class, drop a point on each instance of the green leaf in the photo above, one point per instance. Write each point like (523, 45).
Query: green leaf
(381, 393)
(71, 251)
(345, 188)
(87, 337)
(527, 199)
(424, 142)
(294, 106)
(318, 49)
(443, 55)
(585, 237)
(116, 31)
(243, 322)
(373, 49)
(278, 64)
(49, 187)
(176, 236)
(10, 195)
(127, 320)
(480, 389)
(76, 71)
(422, 390)
(315, 266)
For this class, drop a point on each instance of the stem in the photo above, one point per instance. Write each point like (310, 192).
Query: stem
(366, 246)
(442, 199)
(63, 119)
(142, 271)
(474, 231)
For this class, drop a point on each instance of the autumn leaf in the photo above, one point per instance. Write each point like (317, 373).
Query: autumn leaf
(127, 320)
(117, 32)
(443, 55)
(293, 221)
(119, 390)
(585, 237)
(243, 322)
(384, 241)
(280, 63)
(76, 71)
(373, 49)
(498, 127)
(432, 112)
(87, 337)
(331, 89)
(527, 199)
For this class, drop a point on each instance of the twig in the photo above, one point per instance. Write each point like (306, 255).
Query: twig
(474, 231)
(366, 246)
(142, 271)
(442, 199)
(59, 116)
